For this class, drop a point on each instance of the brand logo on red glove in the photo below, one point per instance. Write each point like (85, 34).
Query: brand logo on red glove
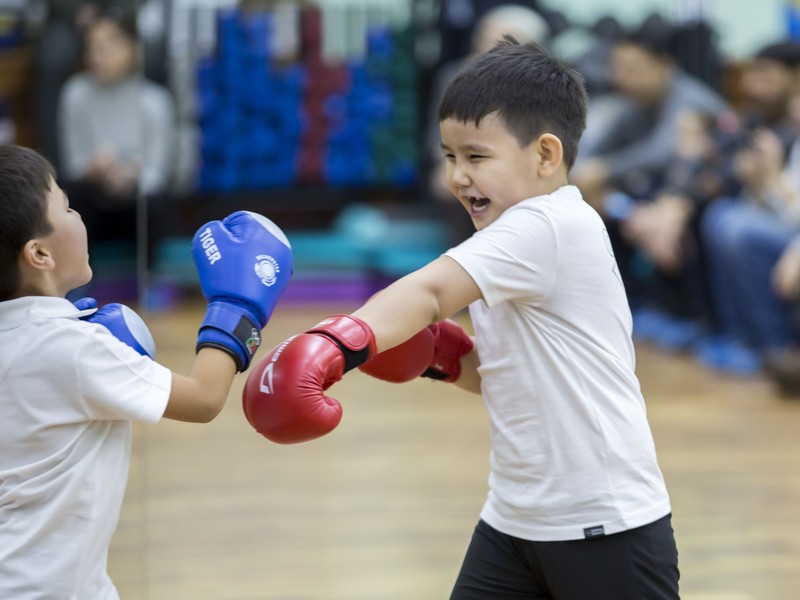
(265, 383)
(267, 269)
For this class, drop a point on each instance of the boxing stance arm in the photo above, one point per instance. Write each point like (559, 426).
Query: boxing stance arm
(284, 397)
(243, 263)
(196, 397)
(431, 294)
(200, 395)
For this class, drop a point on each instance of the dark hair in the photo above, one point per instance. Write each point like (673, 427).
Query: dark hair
(786, 53)
(25, 179)
(532, 92)
(125, 21)
(655, 35)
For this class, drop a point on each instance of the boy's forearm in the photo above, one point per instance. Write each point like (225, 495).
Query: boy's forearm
(397, 313)
(200, 396)
(413, 302)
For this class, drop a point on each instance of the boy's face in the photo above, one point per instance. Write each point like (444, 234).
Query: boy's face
(67, 242)
(487, 170)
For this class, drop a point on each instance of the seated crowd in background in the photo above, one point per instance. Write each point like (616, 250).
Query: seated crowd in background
(702, 201)
(699, 186)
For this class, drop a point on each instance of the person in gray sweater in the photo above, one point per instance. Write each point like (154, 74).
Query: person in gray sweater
(57, 56)
(116, 130)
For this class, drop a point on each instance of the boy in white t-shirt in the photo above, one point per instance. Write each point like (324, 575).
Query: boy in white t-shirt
(73, 378)
(577, 506)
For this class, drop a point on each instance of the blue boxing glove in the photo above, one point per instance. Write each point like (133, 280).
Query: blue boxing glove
(244, 263)
(123, 323)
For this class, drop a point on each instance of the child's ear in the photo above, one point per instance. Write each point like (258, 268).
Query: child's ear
(36, 255)
(551, 154)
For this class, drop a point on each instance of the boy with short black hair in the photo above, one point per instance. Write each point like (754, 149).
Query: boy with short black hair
(72, 379)
(577, 505)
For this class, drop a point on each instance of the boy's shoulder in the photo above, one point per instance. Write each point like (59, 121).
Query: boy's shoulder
(563, 210)
(556, 198)
(27, 309)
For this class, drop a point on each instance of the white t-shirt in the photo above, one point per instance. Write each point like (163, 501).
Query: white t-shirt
(68, 392)
(572, 452)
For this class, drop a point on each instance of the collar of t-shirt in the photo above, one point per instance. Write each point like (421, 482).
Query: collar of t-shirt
(19, 311)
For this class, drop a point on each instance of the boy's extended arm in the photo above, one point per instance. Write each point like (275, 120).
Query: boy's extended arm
(244, 263)
(433, 293)
(284, 396)
(199, 396)
(429, 295)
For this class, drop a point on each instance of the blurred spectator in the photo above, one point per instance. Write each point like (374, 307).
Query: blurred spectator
(766, 85)
(750, 228)
(649, 163)
(593, 60)
(697, 51)
(458, 20)
(630, 146)
(663, 230)
(58, 52)
(525, 25)
(656, 239)
(752, 238)
(117, 132)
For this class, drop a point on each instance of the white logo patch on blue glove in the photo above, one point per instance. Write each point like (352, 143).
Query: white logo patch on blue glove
(267, 269)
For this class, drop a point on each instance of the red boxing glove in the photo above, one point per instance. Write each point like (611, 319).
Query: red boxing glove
(434, 352)
(405, 361)
(283, 396)
(451, 343)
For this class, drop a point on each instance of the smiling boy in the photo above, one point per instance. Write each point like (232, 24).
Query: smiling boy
(577, 506)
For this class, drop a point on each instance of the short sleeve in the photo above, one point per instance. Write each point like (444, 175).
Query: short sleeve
(514, 259)
(116, 382)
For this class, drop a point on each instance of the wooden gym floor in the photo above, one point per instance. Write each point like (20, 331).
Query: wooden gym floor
(383, 508)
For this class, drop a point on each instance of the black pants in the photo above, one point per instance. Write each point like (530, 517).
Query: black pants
(639, 564)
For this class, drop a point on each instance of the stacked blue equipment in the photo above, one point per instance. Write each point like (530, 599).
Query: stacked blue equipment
(253, 112)
(373, 125)
(250, 110)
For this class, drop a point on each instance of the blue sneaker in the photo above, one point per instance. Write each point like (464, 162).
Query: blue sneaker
(670, 334)
(728, 356)
(648, 323)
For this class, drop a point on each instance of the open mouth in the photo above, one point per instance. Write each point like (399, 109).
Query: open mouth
(477, 204)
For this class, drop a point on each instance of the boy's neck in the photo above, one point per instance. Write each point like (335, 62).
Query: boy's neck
(554, 182)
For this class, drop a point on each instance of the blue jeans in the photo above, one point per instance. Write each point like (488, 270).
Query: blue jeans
(743, 242)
